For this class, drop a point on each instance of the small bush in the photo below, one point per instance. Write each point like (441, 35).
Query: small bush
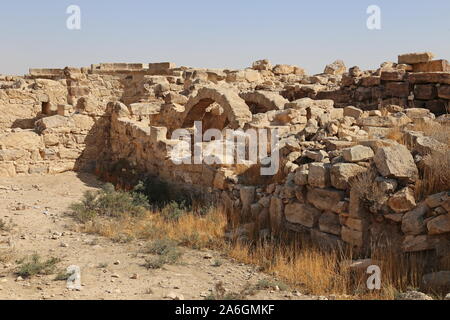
(167, 253)
(173, 211)
(108, 202)
(34, 265)
(217, 263)
(220, 293)
(270, 284)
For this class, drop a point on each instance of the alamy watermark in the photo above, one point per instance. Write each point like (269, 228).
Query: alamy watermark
(250, 147)
(374, 19)
(73, 22)
(374, 280)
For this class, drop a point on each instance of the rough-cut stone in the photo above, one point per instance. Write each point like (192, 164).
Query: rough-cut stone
(319, 175)
(336, 68)
(437, 199)
(444, 92)
(412, 58)
(413, 221)
(426, 145)
(352, 237)
(357, 153)
(417, 243)
(284, 69)
(329, 223)
(402, 201)
(439, 225)
(341, 173)
(432, 66)
(276, 213)
(303, 214)
(396, 161)
(353, 112)
(325, 199)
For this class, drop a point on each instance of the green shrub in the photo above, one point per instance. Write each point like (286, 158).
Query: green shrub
(173, 211)
(34, 265)
(167, 252)
(270, 284)
(108, 202)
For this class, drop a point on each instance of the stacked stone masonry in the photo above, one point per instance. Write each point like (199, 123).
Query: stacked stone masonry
(334, 133)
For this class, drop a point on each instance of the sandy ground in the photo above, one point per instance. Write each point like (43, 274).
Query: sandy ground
(36, 206)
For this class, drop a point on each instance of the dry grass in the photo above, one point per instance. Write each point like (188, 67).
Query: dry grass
(397, 134)
(436, 131)
(435, 174)
(191, 230)
(296, 262)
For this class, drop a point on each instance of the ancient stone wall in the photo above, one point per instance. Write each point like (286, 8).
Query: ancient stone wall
(345, 178)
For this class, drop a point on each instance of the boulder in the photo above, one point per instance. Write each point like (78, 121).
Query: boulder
(284, 69)
(402, 201)
(396, 161)
(303, 214)
(341, 173)
(353, 112)
(301, 176)
(263, 64)
(325, 199)
(413, 221)
(329, 223)
(439, 225)
(413, 58)
(319, 174)
(437, 199)
(336, 68)
(352, 237)
(357, 154)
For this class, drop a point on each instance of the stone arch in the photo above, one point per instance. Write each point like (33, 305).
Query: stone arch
(236, 113)
(263, 101)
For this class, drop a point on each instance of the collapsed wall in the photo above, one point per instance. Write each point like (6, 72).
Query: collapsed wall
(343, 177)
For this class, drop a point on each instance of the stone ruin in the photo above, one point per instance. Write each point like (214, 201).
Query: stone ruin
(333, 127)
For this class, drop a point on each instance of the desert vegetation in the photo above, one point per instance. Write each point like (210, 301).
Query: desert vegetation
(290, 260)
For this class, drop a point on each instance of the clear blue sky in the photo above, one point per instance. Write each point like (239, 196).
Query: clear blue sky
(211, 33)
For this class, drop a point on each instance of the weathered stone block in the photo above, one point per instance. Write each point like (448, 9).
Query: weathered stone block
(439, 225)
(425, 91)
(393, 75)
(303, 214)
(353, 112)
(352, 237)
(413, 221)
(402, 201)
(341, 173)
(397, 89)
(325, 199)
(396, 161)
(429, 77)
(357, 153)
(319, 174)
(432, 66)
(412, 58)
(329, 223)
(444, 92)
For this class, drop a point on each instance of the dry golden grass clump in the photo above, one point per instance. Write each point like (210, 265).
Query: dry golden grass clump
(294, 261)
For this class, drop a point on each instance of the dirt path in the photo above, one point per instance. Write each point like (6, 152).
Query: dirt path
(36, 207)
